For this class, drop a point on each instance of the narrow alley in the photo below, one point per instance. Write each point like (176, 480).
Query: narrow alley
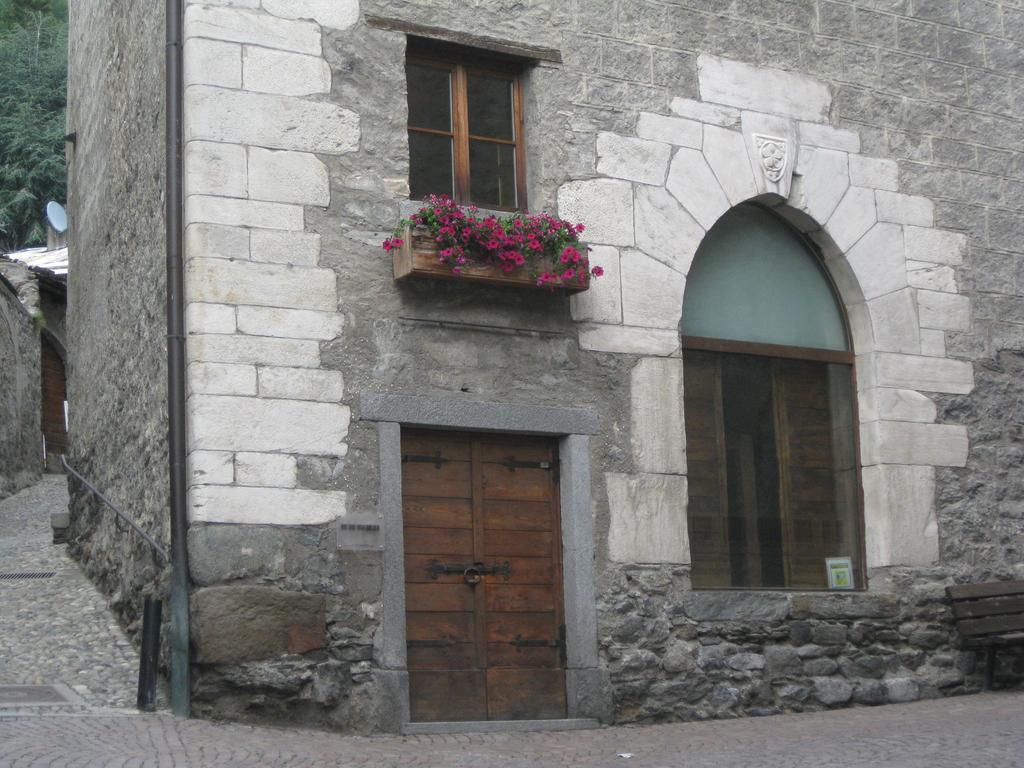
(55, 629)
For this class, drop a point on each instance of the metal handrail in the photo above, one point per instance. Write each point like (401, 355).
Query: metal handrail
(149, 539)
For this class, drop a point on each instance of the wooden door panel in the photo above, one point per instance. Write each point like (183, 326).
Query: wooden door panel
(510, 656)
(523, 484)
(443, 655)
(518, 543)
(448, 695)
(525, 570)
(432, 597)
(437, 513)
(504, 627)
(459, 627)
(449, 480)
(511, 598)
(517, 515)
(469, 499)
(451, 447)
(515, 450)
(439, 542)
(525, 694)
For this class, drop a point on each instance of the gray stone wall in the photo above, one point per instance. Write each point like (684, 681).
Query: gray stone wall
(676, 654)
(294, 314)
(21, 451)
(43, 298)
(115, 326)
(23, 281)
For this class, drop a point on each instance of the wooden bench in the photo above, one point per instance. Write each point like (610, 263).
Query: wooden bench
(989, 615)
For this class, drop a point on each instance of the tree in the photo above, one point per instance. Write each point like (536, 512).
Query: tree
(33, 85)
(22, 13)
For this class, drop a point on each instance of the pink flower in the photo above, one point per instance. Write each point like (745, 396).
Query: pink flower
(597, 271)
(569, 274)
(393, 243)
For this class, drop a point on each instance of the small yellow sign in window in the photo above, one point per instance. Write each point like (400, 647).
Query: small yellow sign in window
(840, 572)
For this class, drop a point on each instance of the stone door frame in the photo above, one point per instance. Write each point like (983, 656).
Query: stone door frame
(587, 692)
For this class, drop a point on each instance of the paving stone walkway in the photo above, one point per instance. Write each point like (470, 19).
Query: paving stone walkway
(57, 630)
(981, 731)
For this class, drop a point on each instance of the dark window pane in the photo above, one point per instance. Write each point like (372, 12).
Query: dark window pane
(490, 107)
(772, 470)
(492, 170)
(752, 472)
(430, 101)
(430, 165)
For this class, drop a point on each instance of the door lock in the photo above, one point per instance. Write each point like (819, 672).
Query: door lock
(472, 573)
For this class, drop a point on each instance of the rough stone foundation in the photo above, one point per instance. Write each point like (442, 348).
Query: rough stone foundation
(676, 654)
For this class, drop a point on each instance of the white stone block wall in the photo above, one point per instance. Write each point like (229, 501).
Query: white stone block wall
(657, 194)
(258, 126)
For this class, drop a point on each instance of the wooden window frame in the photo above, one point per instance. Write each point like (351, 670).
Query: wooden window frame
(703, 344)
(461, 66)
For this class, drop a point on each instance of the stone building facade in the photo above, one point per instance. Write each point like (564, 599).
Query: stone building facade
(20, 448)
(885, 136)
(42, 291)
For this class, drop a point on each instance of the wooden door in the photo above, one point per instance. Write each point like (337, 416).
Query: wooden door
(483, 577)
(54, 394)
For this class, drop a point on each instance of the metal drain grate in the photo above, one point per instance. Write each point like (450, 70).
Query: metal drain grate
(26, 575)
(37, 696)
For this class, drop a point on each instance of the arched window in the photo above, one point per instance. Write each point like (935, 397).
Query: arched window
(774, 498)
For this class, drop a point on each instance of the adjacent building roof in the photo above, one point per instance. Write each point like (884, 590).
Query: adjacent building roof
(55, 260)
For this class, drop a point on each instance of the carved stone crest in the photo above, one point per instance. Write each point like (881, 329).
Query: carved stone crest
(774, 154)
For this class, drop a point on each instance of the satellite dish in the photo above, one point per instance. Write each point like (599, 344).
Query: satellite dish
(57, 217)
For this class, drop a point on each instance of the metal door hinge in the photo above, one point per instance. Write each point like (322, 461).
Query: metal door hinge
(444, 642)
(512, 464)
(436, 459)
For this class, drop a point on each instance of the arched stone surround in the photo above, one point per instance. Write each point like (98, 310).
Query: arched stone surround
(659, 191)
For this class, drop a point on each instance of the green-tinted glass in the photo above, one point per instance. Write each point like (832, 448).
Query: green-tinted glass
(754, 280)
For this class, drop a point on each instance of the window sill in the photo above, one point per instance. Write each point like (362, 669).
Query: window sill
(785, 590)
(407, 208)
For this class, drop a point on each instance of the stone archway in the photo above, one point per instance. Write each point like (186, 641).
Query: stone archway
(658, 194)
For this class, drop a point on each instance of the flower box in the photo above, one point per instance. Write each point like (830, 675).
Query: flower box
(417, 257)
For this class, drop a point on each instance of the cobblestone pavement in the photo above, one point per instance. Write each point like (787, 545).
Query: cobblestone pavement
(59, 631)
(981, 731)
(56, 630)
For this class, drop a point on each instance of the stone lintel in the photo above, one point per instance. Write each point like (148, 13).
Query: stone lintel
(729, 605)
(511, 49)
(454, 413)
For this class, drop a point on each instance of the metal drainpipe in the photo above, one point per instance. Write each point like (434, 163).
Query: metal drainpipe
(179, 625)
